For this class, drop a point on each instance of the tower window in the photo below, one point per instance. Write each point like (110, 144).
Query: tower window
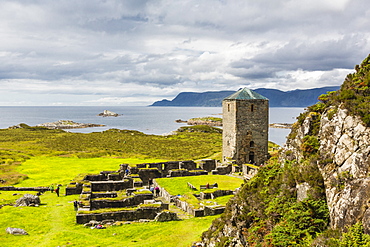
(252, 108)
(251, 144)
(228, 107)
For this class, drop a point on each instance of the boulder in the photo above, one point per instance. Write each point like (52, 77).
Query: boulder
(92, 223)
(28, 200)
(16, 231)
(302, 191)
(166, 216)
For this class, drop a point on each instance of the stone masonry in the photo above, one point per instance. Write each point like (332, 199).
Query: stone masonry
(245, 128)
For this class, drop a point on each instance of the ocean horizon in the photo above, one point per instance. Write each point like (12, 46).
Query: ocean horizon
(146, 119)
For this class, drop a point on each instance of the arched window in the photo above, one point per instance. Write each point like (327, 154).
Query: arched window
(251, 144)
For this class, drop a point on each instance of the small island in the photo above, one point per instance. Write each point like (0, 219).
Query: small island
(107, 113)
(68, 124)
(281, 125)
(210, 121)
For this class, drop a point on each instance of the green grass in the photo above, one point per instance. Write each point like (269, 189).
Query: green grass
(43, 171)
(53, 224)
(222, 200)
(19, 145)
(178, 185)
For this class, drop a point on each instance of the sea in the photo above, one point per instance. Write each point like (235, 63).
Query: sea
(149, 120)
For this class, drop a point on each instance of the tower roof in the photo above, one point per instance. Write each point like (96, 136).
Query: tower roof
(245, 94)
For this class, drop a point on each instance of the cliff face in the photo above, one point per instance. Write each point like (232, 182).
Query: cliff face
(344, 164)
(344, 143)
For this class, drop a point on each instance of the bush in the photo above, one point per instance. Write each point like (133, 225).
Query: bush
(310, 145)
(354, 93)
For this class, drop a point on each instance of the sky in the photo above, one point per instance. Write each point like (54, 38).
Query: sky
(136, 52)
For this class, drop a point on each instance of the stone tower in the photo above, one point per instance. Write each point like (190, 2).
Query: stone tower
(245, 127)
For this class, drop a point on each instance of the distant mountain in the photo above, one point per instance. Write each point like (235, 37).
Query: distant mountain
(294, 98)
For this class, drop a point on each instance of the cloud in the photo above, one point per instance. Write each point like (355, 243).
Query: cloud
(138, 51)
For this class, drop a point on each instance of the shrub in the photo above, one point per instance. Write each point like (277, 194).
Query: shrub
(354, 237)
(310, 145)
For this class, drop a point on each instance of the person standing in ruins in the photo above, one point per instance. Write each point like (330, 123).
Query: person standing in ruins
(75, 204)
(157, 190)
(57, 190)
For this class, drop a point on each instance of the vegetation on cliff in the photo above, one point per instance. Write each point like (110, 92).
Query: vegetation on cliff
(267, 209)
(354, 93)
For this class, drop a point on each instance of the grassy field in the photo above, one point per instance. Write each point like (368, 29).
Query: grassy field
(40, 157)
(19, 145)
(52, 224)
(43, 170)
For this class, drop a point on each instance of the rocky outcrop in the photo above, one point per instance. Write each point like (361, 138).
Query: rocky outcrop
(292, 149)
(345, 149)
(107, 113)
(15, 231)
(68, 124)
(28, 200)
(166, 216)
(344, 164)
